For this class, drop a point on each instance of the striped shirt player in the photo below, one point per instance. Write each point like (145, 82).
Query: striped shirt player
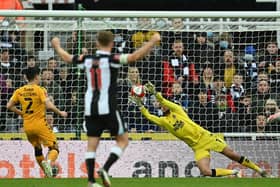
(100, 98)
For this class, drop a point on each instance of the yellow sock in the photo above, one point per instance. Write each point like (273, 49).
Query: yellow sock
(39, 160)
(249, 164)
(223, 172)
(52, 155)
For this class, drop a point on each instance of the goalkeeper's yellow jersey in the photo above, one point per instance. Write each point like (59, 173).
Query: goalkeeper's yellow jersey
(176, 122)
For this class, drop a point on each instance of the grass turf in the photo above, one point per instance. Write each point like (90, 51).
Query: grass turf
(147, 182)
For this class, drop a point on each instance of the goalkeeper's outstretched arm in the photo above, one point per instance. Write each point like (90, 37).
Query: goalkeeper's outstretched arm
(164, 102)
(145, 112)
(155, 119)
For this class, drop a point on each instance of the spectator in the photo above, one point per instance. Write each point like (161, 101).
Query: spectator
(200, 53)
(178, 96)
(10, 122)
(3, 101)
(177, 33)
(244, 113)
(204, 113)
(52, 87)
(176, 68)
(74, 108)
(52, 65)
(50, 122)
(8, 68)
(261, 126)
(121, 41)
(271, 111)
(275, 78)
(65, 82)
(263, 94)
(30, 62)
(150, 66)
(228, 67)
(268, 59)
(224, 43)
(125, 85)
(131, 114)
(224, 110)
(207, 83)
(250, 65)
(82, 43)
(237, 89)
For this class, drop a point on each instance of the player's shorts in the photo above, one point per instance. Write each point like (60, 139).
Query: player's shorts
(208, 142)
(40, 133)
(95, 125)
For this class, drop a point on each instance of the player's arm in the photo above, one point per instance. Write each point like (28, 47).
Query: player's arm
(164, 102)
(145, 112)
(68, 58)
(52, 107)
(274, 117)
(153, 118)
(141, 52)
(11, 104)
(49, 104)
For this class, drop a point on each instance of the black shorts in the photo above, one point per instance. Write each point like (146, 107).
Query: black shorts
(113, 122)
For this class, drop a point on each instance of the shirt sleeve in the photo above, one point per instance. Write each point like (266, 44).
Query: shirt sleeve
(43, 94)
(172, 106)
(121, 58)
(155, 119)
(78, 59)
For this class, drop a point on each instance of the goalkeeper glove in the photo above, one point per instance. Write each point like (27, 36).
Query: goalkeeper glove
(136, 100)
(149, 87)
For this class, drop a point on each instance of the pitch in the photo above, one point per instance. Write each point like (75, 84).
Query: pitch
(147, 182)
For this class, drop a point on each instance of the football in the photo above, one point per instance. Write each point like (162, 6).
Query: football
(138, 90)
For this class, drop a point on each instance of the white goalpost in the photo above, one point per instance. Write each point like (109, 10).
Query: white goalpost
(222, 67)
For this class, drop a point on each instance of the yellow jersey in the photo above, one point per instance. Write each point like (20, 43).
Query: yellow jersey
(32, 99)
(176, 122)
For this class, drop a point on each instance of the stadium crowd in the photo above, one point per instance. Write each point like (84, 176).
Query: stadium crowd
(226, 82)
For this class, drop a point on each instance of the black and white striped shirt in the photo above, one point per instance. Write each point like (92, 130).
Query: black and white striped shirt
(102, 73)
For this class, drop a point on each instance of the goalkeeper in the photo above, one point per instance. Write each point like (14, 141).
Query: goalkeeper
(177, 122)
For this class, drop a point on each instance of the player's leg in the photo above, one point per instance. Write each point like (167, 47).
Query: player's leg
(53, 153)
(119, 130)
(90, 155)
(202, 155)
(48, 138)
(94, 128)
(34, 139)
(39, 155)
(203, 162)
(228, 152)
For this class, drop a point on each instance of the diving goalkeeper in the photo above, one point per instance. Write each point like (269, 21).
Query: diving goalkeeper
(177, 122)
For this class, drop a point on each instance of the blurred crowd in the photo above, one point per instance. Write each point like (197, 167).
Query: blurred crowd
(226, 82)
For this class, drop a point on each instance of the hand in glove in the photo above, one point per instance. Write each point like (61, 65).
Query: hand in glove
(136, 100)
(149, 87)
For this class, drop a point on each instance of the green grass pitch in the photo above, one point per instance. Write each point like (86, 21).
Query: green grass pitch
(147, 182)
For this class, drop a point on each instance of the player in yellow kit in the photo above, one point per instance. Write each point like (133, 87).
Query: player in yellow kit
(34, 101)
(177, 122)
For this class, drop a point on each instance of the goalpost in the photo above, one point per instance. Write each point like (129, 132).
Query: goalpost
(218, 48)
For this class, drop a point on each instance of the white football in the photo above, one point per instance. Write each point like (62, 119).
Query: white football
(138, 91)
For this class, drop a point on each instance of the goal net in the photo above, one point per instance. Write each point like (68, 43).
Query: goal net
(225, 71)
